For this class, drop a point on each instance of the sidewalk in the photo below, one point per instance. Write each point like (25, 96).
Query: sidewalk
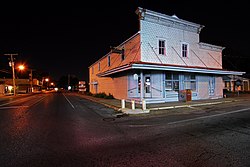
(117, 104)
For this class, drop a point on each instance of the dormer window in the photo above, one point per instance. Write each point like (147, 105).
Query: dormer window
(162, 47)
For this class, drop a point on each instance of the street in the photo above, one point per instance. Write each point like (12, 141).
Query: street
(64, 129)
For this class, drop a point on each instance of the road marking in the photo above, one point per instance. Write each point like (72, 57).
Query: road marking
(12, 102)
(69, 102)
(38, 101)
(17, 100)
(209, 116)
(140, 126)
(10, 107)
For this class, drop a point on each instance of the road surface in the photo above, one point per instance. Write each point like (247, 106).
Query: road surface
(63, 129)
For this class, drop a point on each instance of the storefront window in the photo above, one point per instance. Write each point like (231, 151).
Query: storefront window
(190, 82)
(172, 82)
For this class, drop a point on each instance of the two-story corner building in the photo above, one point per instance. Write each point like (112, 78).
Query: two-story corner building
(164, 58)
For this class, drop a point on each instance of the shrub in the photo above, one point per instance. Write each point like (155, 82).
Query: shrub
(88, 93)
(109, 96)
(103, 95)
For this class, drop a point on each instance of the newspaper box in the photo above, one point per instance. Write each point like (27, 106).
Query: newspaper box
(188, 95)
(185, 95)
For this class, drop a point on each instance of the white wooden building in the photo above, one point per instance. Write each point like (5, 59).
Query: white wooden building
(163, 58)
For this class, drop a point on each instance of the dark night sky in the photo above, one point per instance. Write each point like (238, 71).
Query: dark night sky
(65, 38)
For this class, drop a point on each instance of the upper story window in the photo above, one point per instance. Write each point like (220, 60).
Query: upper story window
(162, 47)
(99, 66)
(108, 60)
(122, 55)
(184, 49)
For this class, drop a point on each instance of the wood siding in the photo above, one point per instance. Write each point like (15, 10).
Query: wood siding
(116, 85)
(205, 57)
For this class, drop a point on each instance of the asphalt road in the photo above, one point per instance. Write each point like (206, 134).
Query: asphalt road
(63, 129)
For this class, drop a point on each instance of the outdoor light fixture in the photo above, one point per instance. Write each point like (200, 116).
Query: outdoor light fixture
(21, 67)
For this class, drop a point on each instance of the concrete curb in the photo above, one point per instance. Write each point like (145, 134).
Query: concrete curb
(192, 105)
(135, 111)
(105, 104)
(140, 111)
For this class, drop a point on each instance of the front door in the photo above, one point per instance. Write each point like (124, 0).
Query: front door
(147, 86)
(211, 86)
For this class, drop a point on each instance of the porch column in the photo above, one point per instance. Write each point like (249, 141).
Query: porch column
(142, 85)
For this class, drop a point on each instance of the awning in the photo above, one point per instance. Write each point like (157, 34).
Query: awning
(163, 67)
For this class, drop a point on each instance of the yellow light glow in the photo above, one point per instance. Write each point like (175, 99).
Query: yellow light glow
(21, 67)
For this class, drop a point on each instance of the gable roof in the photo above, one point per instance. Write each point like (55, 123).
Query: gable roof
(133, 36)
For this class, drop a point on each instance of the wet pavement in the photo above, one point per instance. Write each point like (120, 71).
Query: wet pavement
(65, 129)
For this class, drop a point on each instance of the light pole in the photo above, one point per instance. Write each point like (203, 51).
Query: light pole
(47, 84)
(31, 78)
(13, 70)
(22, 67)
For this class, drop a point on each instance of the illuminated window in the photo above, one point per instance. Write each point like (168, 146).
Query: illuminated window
(227, 85)
(147, 84)
(162, 47)
(184, 50)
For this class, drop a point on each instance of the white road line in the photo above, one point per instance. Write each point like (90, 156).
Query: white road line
(16, 100)
(38, 101)
(11, 102)
(10, 107)
(209, 116)
(69, 102)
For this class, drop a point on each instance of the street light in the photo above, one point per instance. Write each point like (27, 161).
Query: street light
(22, 67)
(47, 80)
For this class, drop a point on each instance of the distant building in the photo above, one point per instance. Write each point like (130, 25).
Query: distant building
(22, 86)
(163, 59)
(82, 86)
(236, 83)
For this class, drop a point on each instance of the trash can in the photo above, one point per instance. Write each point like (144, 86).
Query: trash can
(188, 95)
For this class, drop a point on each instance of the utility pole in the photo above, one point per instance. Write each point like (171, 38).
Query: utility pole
(31, 80)
(13, 70)
(68, 81)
